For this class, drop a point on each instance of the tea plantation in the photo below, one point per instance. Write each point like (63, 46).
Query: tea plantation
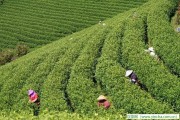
(84, 58)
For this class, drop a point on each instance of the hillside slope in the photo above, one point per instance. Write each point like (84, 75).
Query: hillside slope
(39, 22)
(71, 73)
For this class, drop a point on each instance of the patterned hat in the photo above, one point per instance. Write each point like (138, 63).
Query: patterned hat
(30, 92)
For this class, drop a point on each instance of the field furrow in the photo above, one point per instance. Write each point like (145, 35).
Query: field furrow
(51, 20)
(81, 89)
(161, 83)
(165, 41)
(54, 88)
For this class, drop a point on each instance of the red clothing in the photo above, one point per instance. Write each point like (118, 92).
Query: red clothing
(33, 97)
(106, 104)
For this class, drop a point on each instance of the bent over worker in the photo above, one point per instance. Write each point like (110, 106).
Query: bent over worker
(152, 53)
(33, 97)
(102, 101)
(133, 77)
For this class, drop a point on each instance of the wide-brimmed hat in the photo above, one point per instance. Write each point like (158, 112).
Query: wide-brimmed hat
(151, 49)
(128, 72)
(101, 97)
(30, 92)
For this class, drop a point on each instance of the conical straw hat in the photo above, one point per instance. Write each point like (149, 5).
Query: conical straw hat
(128, 72)
(151, 49)
(101, 97)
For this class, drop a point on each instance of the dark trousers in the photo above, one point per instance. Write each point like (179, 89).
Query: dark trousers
(37, 102)
(36, 108)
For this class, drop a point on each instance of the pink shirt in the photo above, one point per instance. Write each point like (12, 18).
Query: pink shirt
(33, 97)
(106, 104)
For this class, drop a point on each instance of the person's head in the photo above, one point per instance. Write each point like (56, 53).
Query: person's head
(101, 98)
(128, 73)
(151, 49)
(30, 92)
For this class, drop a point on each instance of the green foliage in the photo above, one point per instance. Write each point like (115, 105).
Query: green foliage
(1, 2)
(16, 81)
(161, 83)
(81, 88)
(21, 49)
(38, 22)
(162, 35)
(71, 73)
(12, 54)
(111, 75)
(6, 56)
(53, 115)
(54, 88)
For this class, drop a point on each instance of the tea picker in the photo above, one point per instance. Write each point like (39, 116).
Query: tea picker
(102, 101)
(33, 98)
(134, 79)
(151, 52)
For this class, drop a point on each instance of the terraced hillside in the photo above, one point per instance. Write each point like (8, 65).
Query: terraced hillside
(38, 22)
(69, 74)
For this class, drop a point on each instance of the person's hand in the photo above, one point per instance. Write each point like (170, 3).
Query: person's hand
(29, 101)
